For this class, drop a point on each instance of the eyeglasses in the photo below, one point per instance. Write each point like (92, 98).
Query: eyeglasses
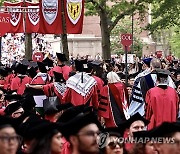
(90, 133)
(8, 139)
(113, 145)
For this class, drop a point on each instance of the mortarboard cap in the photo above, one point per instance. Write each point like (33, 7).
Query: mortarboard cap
(28, 102)
(3, 72)
(147, 61)
(163, 71)
(11, 108)
(58, 77)
(142, 136)
(96, 63)
(81, 65)
(48, 62)
(32, 72)
(114, 131)
(166, 129)
(175, 61)
(75, 118)
(33, 64)
(6, 122)
(61, 56)
(42, 67)
(134, 118)
(21, 69)
(10, 97)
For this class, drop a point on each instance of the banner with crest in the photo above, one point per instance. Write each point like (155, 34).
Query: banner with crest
(50, 17)
(16, 17)
(32, 17)
(74, 13)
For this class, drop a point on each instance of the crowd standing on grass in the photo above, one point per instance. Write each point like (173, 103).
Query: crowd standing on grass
(84, 106)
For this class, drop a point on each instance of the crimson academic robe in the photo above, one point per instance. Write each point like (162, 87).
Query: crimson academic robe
(77, 99)
(113, 104)
(50, 90)
(19, 84)
(8, 80)
(64, 69)
(161, 106)
(39, 80)
(100, 83)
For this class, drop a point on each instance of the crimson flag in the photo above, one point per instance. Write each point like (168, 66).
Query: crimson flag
(74, 14)
(16, 18)
(50, 17)
(32, 17)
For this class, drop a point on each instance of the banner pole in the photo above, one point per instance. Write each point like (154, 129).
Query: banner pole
(126, 67)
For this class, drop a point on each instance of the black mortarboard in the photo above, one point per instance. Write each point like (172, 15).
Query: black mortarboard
(58, 77)
(32, 72)
(142, 136)
(21, 69)
(175, 61)
(42, 67)
(6, 122)
(166, 129)
(10, 97)
(11, 108)
(61, 57)
(28, 102)
(81, 65)
(75, 118)
(134, 118)
(3, 72)
(50, 105)
(48, 62)
(114, 131)
(96, 63)
(38, 128)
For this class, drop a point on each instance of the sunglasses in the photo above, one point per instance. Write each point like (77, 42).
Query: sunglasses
(113, 145)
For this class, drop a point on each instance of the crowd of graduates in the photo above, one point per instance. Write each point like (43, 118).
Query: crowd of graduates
(87, 107)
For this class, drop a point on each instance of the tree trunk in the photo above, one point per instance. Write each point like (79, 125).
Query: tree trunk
(64, 35)
(28, 46)
(106, 50)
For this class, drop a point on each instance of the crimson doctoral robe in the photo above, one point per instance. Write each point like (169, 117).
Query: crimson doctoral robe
(161, 105)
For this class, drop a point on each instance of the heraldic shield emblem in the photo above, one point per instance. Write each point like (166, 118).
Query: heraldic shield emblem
(50, 10)
(74, 10)
(33, 14)
(15, 16)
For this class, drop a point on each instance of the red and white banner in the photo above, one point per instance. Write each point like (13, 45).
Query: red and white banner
(50, 17)
(74, 14)
(32, 17)
(4, 23)
(16, 18)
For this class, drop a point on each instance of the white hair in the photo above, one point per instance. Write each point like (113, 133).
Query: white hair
(112, 77)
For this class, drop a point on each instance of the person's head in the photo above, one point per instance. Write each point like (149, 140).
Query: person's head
(129, 88)
(146, 63)
(112, 77)
(136, 123)
(14, 110)
(81, 128)
(47, 138)
(162, 76)
(155, 64)
(9, 140)
(169, 131)
(178, 75)
(114, 145)
(61, 58)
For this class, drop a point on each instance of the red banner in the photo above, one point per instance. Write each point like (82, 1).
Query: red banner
(74, 14)
(16, 19)
(50, 17)
(32, 18)
(4, 23)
